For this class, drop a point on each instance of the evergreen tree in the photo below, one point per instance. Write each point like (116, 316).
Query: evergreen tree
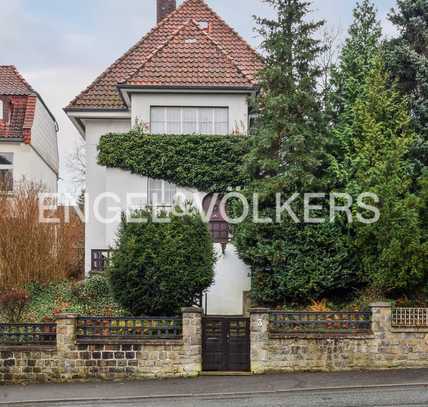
(356, 61)
(357, 55)
(290, 262)
(392, 252)
(407, 60)
(289, 139)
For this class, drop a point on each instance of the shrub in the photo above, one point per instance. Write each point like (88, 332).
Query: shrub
(160, 267)
(95, 289)
(13, 304)
(293, 263)
(30, 251)
(91, 297)
(207, 163)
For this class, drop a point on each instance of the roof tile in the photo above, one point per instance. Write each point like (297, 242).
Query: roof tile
(12, 83)
(160, 58)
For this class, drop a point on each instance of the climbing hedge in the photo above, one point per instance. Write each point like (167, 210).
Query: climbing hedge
(207, 163)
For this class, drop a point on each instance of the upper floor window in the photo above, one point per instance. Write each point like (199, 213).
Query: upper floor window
(161, 193)
(2, 114)
(6, 172)
(189, 120)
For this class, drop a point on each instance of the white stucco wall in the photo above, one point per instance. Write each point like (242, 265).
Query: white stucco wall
(30, 166)
(225, 297)
(96, 183)
(232, 278)
(44, 135)
(237, 104)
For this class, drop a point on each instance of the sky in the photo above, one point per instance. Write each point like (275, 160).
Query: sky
(61, 46)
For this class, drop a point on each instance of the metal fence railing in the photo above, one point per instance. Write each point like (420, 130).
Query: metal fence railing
(320, 322)
(28, 334)
(102, 328)
(409, 318)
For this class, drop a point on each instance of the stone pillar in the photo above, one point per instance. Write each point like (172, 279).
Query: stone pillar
(192, 340)
(66, 344)
(259, 326)
(381, 318)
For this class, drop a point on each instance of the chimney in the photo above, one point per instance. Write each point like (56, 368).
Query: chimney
(165, 7)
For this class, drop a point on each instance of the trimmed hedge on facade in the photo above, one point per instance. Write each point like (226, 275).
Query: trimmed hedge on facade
(207, 163)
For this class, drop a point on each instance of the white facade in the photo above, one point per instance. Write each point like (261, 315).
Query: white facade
(38, 161)
(232, 278)
(44, 136)
(237, 105)
(29, 166)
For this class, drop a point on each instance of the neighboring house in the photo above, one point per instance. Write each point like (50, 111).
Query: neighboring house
(28, 134)
(191, 74)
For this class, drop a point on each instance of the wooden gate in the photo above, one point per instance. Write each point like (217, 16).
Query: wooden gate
(226, 344)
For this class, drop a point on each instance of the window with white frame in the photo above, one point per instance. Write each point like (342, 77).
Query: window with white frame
(6, 172)
(2, 114)
(161, 193)
(189, 120)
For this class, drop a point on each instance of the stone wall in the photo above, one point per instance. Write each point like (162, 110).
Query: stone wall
(30, 364)
(72, 359)
(108, 359)
(384, 348)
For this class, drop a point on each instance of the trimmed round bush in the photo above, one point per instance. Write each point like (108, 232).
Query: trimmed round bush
(159, 267)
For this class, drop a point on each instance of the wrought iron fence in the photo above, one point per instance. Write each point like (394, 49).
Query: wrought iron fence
(320, 322)
(409, 318)
(101, 328)
(28, 334)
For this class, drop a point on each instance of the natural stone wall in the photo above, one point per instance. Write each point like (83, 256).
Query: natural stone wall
(116, 361)
(122, 358)
(385, 348)
(29, 364)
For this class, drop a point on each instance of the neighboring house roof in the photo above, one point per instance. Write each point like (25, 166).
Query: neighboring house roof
(12, 83)
(168, 56)
(20, 107)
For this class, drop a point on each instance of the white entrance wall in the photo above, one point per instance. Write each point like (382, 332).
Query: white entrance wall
(232, 279)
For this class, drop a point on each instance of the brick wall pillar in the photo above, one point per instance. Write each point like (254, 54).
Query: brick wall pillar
(192, 339)
(259, 326)
(66, 344)
(381, 317)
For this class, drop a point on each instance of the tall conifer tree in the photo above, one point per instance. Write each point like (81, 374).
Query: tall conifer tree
(407, 60)
(290, 262)
(290, 136)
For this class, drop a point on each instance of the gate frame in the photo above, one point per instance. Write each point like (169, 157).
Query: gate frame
(226, 337)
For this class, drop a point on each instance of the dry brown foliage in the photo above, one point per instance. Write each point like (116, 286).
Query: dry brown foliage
(319, 306)
(31, 251)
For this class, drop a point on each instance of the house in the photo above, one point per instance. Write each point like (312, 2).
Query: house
(28, 134)
(191, 73)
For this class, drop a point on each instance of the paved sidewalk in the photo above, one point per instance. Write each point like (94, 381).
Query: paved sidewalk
(209, 386)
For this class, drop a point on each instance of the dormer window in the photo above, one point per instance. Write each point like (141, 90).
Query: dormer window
(204, 25)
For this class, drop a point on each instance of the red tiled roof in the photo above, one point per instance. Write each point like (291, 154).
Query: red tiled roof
(19, 104)
(163, 58)
(12, 83)
(190, 58)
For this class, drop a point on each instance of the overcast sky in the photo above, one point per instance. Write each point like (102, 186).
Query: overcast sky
(60, 46)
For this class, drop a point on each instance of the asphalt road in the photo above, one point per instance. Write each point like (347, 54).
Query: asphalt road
(406, 396)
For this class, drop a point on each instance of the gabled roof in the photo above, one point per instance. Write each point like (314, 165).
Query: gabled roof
(12, 83)
(21, 105)
(190, 58)
(164, 58)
